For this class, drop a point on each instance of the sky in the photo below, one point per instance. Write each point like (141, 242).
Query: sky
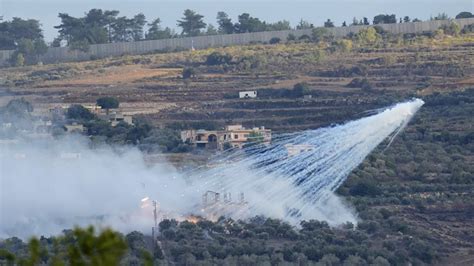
(314, 11)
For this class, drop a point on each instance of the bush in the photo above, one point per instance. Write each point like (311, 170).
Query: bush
(275, 40)
(79, 112)
(108, 102)
(291, 37)
(464, 14)
(217, 58)
(189, 72)
(320, 34)
(468, 29)
(344, 45)
(19, 60)
(365, 188)
(452, 29)
(304, 38)
(367, 36)
(360, 83)
(300, 89)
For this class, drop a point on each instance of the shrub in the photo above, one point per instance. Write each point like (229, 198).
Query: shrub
(452, 29)
(304, 38)
(360, 83)
(275, 40)
(108, 102)
(468, 29)
(344, 45)
(189, 72)
(300, 89)
(217, 58)
(291, 37)
(365, 188)
(19, 60)
(367, 36)
(320, 34)
(79, 112)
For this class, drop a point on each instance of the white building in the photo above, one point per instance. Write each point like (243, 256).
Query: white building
(247, 94)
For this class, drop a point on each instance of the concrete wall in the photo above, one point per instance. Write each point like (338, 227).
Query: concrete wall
(63, 54)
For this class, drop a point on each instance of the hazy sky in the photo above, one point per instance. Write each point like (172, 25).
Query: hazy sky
(315, 11)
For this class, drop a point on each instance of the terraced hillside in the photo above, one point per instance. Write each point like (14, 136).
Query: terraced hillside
(416, 193)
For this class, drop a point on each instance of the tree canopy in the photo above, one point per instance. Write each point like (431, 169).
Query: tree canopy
(464, 14)
(11, 32)
(156, 32)
(192, 23)
(385, 19)
(225, 23)
(108, 102)
(99, 26)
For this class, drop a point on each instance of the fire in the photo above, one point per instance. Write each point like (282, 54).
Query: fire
(193, 219)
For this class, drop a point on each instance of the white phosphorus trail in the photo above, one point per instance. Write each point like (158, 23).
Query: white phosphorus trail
(293, 179)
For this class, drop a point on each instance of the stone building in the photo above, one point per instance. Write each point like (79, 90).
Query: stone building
(232, 136)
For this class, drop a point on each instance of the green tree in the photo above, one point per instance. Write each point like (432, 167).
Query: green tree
(329, 24)
(155, 32)
(440, 16)
(303, 25)
(136, 28)
(300, 89)
(19, 106)
(88, 248)
(95, 27)
(368, 36)
(11, 32)
(464, 14)
(385, 19)
(7, 257)
(192, 23)
(216, 58)
(79, 112)
(249, 24)
(211, 30)
(225, 23)
(279, 25)
(108, 103)
(30, 50)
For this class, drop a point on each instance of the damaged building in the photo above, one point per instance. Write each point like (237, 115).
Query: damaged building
(233, 136)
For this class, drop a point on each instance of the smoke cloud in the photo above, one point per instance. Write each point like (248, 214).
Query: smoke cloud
(50, 185)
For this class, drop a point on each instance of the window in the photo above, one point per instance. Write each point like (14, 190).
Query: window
(236, 136)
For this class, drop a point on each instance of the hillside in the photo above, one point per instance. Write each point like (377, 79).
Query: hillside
(415, 193)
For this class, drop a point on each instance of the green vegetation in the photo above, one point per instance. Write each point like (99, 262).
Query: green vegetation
(81, 246)
(25, 37)
(464, 14)
(360, 83)
(188, 73)
(80, 113)
(108, 103)
(191, 23)
(385, 19)
(217, 58)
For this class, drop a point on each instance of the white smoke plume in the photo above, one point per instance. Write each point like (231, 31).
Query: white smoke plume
(53, 185)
